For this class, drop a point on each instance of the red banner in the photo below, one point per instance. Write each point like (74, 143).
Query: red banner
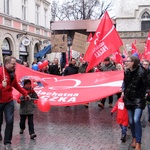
(73, 89)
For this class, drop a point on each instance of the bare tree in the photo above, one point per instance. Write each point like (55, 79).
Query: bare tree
(79, 9)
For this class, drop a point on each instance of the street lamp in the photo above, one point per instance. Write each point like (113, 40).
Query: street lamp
(69, 40)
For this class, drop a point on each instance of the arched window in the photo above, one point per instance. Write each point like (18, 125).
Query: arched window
(6, 49)
(145, 21)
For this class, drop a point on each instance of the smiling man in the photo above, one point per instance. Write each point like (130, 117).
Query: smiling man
(7, 82)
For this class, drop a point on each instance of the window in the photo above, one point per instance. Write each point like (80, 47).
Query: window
(7, 6)
(24, 9)
(145, 21)
(45, 16)
(37, 7)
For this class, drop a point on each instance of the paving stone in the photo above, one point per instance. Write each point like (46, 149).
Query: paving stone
(74, 128)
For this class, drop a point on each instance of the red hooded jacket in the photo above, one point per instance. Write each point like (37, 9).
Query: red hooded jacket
(6, 93)
(122, 113)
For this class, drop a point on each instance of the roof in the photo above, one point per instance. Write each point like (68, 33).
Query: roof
(88, 25)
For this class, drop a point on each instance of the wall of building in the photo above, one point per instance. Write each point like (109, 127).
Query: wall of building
(15, 30)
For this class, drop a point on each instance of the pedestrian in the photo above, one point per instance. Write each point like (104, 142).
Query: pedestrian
(135, 85)
(71, 69)
(82, 69)
(27, 109)
(146, 65)
(108, 66)
(54, 67)
(8, 80)
(122, 117)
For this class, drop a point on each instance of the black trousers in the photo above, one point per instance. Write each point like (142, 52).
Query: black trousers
(30, 123)
(110, 100)
(8, 110)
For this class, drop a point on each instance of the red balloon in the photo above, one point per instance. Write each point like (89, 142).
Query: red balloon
(45, 63)
(43, 105)
(40, 65)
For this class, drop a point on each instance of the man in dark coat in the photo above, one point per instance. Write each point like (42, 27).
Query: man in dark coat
(72, 68)
(108, 66)
(54, 68)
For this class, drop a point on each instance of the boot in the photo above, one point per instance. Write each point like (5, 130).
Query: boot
(138, 146)
(133, 142)
(123, 138)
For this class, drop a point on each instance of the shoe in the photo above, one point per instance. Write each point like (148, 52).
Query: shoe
(133, 144)
(21, 131)
(137, 146)
(86, 105)
(7, 147)
(1, 137)
(101, 105)
(123, 138)
(110, 106)
(32, 136)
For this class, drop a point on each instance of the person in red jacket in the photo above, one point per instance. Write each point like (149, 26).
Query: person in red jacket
(8, 80)
(122, 117)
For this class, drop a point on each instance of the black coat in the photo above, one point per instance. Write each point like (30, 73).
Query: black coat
(135, 84)
(71, 69)
(54, 69)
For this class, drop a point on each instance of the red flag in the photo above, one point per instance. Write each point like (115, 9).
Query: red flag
(89, 38)
(118, 57)
(134, 48)
(105, 41)
(146, 53)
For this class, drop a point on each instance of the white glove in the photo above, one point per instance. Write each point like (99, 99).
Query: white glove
(4, 83)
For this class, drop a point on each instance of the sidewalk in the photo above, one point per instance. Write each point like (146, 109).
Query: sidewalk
(74, 128)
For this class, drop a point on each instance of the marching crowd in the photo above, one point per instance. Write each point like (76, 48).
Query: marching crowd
(132, 98)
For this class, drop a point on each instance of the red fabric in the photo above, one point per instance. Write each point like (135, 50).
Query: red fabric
(105, 41)
(134, 48)
(6, 93)
(73, 89)
(146, 53)
(118, 57)
(122, 113)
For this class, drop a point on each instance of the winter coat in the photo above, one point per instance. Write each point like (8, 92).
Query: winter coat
(135, 84)
(6, 93)
(54, 69)
(122, 113)
(108, 67)
(27, 106)
(71, 69)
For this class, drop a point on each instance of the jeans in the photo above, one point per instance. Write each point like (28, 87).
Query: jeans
(1, 120)
(30, 122)
(110, 100)
(8, 110)
(135, 123)
(148, 106)
(123, 129)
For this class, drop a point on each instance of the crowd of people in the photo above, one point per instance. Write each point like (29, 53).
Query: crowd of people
(132, 98)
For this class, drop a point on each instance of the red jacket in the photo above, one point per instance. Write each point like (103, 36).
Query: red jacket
(6, 93)
(122, 114)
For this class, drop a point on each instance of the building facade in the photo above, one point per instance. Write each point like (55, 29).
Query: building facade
(24, 28)
(133, 22)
